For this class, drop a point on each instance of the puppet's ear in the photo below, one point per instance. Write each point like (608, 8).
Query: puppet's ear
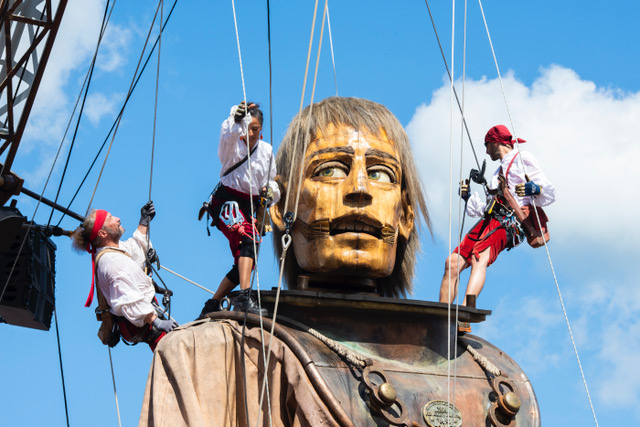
(406, 222)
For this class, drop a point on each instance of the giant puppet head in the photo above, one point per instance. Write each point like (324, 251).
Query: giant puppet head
(359, 200)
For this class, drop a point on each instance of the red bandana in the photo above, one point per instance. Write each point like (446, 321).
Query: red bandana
(501, 135)
(101, 216)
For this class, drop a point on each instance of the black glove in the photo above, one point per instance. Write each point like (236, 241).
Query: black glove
(147, 212)
(152, 257)
(478, 175)
(241, 111)
(266, 196)
(160, 290)
(165, 325)
(464, 190)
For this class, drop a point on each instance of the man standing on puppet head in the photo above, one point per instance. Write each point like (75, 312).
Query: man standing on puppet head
(509, 189)
(360, 198)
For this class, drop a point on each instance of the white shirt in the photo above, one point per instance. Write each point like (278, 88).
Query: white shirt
(476, 206)
(122, 280)
(232, 149)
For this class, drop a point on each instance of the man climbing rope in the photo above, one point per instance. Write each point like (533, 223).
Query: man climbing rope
(509, 190)
(246, 179)
(120, 277)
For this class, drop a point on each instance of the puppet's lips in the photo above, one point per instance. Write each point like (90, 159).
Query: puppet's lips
(351, 224)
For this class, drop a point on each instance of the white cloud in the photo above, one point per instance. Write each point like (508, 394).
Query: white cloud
(582, 135)
(65, 71)
(99, 105)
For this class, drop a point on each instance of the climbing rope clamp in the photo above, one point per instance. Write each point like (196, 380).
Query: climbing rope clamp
(384, 396)
(230, 214)
(288, 222)
(506, 406)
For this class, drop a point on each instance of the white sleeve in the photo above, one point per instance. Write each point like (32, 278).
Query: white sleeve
(136, 246)
(475, 205)
(535, 174)
(230, 133)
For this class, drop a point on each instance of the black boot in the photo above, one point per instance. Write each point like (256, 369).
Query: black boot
(209, 307)
(246, 301)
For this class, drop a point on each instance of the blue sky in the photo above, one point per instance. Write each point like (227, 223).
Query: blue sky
(570, 73)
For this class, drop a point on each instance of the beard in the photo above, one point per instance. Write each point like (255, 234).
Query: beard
(115, 232)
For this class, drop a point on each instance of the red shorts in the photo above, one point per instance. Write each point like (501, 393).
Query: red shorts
(481, 237)
(135, 334)
(242, 234)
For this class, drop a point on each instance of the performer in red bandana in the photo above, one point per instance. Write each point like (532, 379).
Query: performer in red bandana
(496, 231)
(118, 273)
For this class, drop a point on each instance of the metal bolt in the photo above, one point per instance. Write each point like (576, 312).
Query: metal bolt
(511, 403)
(387, 393)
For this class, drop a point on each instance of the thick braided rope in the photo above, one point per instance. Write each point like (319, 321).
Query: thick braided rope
(483, 361)
(339, 348)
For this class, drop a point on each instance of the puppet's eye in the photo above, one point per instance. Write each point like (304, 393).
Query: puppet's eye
(381, 174)
(331, 170)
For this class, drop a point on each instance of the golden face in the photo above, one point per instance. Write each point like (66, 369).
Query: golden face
(351, 208)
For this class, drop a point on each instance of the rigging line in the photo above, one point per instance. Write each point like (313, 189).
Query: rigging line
(251, 183)
(155, 105)
(575, 349)
(304, 83)
(446, 65)
(461, 214)
(64, 389)
(186, 280)
(451, 93)
(120, 117)
(153, 137)
(26, 235)
(119, 114)
(295, 213)
(306, 69)
(115, 392)
(285, 241)
(85, 87)
(333, 59)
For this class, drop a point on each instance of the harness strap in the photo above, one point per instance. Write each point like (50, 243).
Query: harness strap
(244, 159)
(103, 305)
(506, 177)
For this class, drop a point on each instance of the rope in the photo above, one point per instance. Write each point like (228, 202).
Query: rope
(155, 105)
(164, 267)
(517, 146)
(120, 116)
(343, 351)
(85, 87)
(24, 240)
(251, 183)
(333, 59)
(451, 96)
(115, 392)
(286, 239)
(446, 66)
(64, 389)
(483, 361)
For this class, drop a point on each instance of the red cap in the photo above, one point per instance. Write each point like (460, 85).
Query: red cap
(501, 135)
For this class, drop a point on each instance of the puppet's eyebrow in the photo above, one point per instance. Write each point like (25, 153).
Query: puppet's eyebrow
(379, 153)
(341, 150)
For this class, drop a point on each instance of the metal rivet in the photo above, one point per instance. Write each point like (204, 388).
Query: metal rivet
(512, 401)
(387, 393)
